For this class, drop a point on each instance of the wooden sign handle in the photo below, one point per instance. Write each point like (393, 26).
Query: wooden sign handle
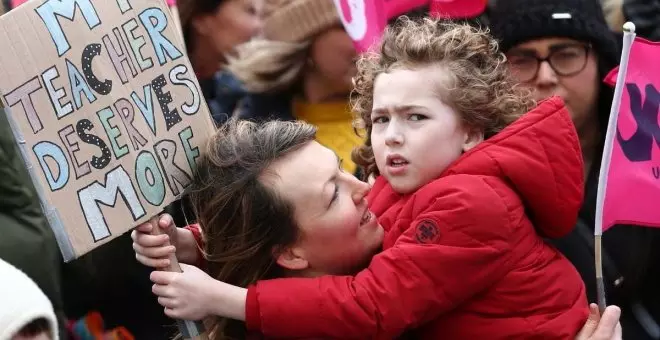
(189, 329)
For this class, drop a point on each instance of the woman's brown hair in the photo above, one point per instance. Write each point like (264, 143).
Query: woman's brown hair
(480, 88)
(243, 220)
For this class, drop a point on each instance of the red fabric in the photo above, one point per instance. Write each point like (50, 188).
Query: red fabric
(252, 309)
(462, 259)
(197, 234)
(252, 304)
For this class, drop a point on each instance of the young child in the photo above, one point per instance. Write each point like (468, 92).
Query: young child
(25, 311)
(465, 189)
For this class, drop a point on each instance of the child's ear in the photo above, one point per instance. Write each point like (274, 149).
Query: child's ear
(291, 258)
(472, 138)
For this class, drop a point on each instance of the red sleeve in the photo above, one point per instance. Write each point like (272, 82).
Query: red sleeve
(455, 248)
(252, 315)
(197, 234)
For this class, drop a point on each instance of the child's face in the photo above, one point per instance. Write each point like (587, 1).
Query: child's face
(415, 135)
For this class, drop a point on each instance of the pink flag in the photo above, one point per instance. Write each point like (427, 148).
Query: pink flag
(632, 193)
(16, 3)
(457, 8)
(365, 20)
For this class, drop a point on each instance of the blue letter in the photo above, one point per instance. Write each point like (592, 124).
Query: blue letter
(149, 178)
(146, 107)
(192, 153)
(112, 131)
(49, 11)
(47, 149)
(154, 29)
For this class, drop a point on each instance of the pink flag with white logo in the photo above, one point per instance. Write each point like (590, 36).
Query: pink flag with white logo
(365, 20)
(632, 192)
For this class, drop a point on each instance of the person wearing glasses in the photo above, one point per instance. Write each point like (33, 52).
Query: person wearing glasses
(565, 48)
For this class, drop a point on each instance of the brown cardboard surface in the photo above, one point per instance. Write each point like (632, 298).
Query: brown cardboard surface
(107, 110)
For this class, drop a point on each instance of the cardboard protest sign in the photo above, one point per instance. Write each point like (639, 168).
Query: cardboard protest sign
(107, 111)
(634, 166)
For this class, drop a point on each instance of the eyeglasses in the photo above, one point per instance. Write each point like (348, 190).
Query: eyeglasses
(565, 60)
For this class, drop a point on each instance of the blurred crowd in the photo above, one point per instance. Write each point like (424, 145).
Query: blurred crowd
(292, 60)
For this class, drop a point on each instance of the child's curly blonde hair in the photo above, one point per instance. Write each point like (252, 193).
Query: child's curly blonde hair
(481, 90)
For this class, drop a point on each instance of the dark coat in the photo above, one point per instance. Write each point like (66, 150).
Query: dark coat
(26, 241)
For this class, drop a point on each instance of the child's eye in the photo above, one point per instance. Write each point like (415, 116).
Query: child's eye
(417, 117)
(380, 120)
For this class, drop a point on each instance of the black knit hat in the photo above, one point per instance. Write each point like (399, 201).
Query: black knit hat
(516, 21)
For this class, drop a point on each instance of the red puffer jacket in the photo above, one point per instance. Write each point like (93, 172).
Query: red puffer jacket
(463, 256)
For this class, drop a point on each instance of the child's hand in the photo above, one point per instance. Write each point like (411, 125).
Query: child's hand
(606, 327)
(153, 250)
(194, 295)
(184, 295)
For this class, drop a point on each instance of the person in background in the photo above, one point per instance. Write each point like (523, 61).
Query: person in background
(211, 30)
(565, 48)
(26, 313)
(301, 68)
(645, 14)
(613, 11)
(25, 231)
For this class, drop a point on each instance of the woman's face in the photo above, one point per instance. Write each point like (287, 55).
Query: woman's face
(579, 89)
(234, 22)
(338, 234)
(333, 57)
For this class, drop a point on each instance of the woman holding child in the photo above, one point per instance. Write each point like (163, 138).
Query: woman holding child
(461, 257)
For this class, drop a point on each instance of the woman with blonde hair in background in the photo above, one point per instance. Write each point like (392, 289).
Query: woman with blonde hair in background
(301, 69)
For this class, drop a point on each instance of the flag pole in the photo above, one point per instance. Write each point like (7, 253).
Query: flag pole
(628, 38)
